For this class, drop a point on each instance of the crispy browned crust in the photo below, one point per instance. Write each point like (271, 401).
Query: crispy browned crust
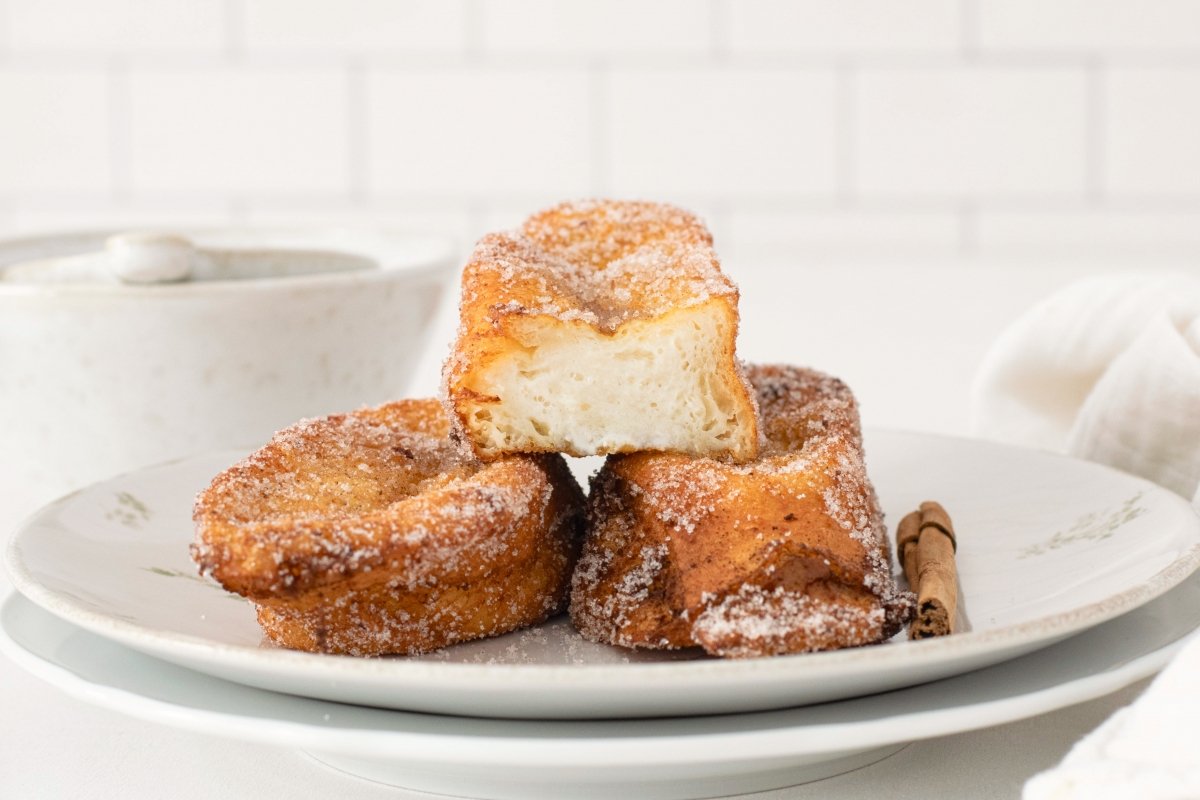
(550, 270)
(783, 555)
(374, 532)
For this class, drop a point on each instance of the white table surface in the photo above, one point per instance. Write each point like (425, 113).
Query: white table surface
(906, 338)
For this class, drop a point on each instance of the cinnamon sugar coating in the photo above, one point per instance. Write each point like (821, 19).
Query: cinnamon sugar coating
(601, 262)
(784, 554)
(375, 532)
(607, 275)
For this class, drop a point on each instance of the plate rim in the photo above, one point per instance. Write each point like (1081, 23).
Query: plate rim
(778, 741)
(168, 644)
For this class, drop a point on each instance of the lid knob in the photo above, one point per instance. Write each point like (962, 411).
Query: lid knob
(150, 257)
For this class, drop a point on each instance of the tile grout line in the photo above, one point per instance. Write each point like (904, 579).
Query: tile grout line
(808, 61)
(968, 29)
(968, 228)
(719, 222)
(1094, 148)
(600, 151)
(5, 32)
(750, 204)
(718, 31)
(235, 30)
(358, 153)
(477, 210)
(846, 132)
(238, 209)
(120, 129)
(474, 35)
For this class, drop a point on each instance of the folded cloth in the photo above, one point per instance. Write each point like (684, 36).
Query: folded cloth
(1146, 751)
(1108, 370)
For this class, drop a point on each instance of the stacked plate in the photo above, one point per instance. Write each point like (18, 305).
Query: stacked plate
(1075, 580)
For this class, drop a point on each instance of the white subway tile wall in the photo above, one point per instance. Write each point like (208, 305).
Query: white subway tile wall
(1152, 124)
(243, 131)
(973, 132)
(595, 29)
(351, 26)
(486, 134)
(64, 27)
(1095, 25)
(844, 26)
(726, 134)
(56, 132)
(801, 129)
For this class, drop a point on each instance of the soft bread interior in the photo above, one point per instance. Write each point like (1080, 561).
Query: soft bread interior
(665, 383)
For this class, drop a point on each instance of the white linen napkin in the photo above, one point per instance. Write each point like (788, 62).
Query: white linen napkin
(1146, 751)
(1108, 370)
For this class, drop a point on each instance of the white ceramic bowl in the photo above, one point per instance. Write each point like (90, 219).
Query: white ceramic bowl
(100, 374)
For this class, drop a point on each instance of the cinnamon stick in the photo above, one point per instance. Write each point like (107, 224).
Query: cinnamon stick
(926, 544)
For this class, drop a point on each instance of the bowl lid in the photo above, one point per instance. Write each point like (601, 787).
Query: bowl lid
(149, 258)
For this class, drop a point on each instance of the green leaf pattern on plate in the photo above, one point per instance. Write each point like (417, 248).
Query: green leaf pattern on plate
(175, 573)
(1093, 527)
(129, 511)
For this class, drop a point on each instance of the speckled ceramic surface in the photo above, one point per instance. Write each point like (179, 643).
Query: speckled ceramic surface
(100, 375)
(1048, 546)
(663, 759)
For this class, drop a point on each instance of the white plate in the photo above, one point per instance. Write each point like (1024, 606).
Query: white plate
(1049, 546)
(665, 758)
